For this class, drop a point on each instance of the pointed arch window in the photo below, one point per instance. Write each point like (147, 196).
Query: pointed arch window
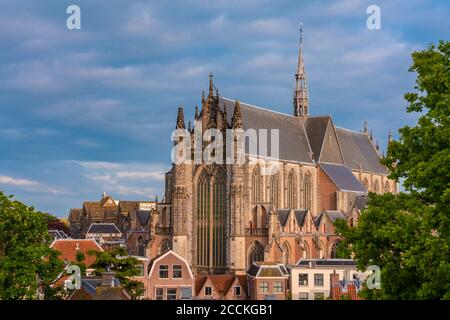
(274, 194)
(366, 184)
(376, 187)
(211, 220)
(256, 185)
(387, 188)
(255, 253)
(291, 190)
(141, 247)
(307, 191)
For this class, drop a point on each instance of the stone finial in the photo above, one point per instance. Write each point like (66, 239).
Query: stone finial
(236, 121)
(180, 119)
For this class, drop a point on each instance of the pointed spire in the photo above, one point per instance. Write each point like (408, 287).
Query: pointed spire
(366, 130)
(180, 119)
(211, 85)
(236, 121)
(371, 135)
(389, 136)
(196, 112)
(377, 146)
(189, 126)
(301, 104)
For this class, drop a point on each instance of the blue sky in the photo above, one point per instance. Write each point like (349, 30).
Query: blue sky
(92, 110)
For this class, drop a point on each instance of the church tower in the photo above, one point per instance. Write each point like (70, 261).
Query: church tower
(301, 104)
(237, 214)
(181, 200)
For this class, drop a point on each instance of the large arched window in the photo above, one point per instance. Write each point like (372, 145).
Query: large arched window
(255, 253)
(141, 247)
(366, 184)
(305, 250)
(387, 188)
(256, 185)
(376, 187)
(307, 191)
(211, 220)
(333, 250)
(274, 194)
(321, 250)
(291, 190)
(287, 259)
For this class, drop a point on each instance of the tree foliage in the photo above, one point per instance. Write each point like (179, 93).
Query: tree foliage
(124, 266)
(26, 261)
(407, 235)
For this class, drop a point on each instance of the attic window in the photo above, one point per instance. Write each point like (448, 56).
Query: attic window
(237, 291)
(208, 291)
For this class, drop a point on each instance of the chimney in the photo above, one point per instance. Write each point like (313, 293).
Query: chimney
(108, 279)
(334, 280)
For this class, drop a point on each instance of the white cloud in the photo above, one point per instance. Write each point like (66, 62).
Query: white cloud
(30, 185)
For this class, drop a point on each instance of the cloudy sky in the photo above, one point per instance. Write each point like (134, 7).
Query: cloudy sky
(92, 110)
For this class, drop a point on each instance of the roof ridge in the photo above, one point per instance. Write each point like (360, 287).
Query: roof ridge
(261, 108)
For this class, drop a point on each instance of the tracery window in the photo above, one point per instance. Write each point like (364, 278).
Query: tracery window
(211, 220)
(307, 191)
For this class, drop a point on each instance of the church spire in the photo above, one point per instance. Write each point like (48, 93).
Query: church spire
(301, 105)
(180, 119)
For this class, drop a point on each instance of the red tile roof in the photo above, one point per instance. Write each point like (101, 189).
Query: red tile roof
(69, 247)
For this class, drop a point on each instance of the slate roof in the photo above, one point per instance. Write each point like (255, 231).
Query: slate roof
(327, 262)
(316, 128)
(267, 269)
(290, 129)
(91, 289)
(300, 216)
(358, 151)
(283, 215)
(361, 201)
(103, 228)
(299, 137)
(342, 177)
(333, 215)
(143, 216)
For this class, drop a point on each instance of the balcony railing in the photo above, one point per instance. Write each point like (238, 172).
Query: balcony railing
(258, 232)
(163, 230)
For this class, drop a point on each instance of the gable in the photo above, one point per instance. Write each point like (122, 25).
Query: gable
(330, 151)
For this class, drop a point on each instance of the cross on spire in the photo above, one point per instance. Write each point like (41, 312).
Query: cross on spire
(301, 104)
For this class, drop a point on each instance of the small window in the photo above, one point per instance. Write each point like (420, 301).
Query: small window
(208, 291)
(264, 287)
(303, 296)
(140, 269)
(159, 293)
(171, 294)
(318, 279)
(303, 279)
(318, 296)
(237, 291)
(163, 271)
(186, 293)
(177, 272)
(277, 287)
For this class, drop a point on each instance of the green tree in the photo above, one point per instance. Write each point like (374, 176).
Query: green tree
(407, 235)
(26, 261)
(124, 266)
